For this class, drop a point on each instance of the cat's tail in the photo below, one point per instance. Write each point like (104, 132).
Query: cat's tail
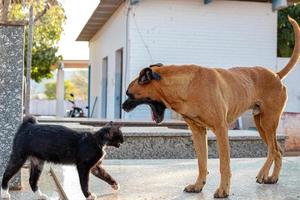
(29, 119)
(23, 129)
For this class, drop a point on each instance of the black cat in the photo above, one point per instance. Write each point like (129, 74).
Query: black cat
(61, 145)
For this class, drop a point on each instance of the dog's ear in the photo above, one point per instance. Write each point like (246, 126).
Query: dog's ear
(156, 65)
(146, 75)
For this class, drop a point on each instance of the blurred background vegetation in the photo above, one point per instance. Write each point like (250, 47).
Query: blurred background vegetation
(47, 32)
(285, 38)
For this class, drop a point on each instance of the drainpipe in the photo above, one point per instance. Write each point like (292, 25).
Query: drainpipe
(127, 50)
(89, 91)
(279, 4)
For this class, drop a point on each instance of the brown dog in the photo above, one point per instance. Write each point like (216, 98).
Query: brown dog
(213, 98)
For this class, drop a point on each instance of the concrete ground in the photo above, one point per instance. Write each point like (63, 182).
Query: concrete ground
(46, 184)
(166, 179)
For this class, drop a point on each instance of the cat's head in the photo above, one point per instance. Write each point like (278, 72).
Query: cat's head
(111, 135)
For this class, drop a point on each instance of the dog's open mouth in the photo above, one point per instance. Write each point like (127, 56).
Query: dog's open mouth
(157, 108)
(158, 111)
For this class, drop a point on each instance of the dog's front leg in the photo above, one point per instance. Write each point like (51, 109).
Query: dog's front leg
(224, 154)
(199, 136)
(99, 172)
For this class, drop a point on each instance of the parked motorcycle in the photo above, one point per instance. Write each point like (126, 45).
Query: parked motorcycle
(76, 111)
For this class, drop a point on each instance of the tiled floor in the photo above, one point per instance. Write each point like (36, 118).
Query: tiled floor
(165, 179)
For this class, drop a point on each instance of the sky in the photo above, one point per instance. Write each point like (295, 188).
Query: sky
(77, 12)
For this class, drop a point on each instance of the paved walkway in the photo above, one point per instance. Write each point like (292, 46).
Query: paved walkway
(46, 184)
(165, 179)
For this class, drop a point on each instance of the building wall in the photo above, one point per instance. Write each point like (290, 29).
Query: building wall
(105, 44)
(292, 83)
(222, 34)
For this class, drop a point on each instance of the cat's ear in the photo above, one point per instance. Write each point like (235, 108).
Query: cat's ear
(109, 134)
(116, 125)
(109, 124)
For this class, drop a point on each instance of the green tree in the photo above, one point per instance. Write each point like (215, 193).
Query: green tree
(50, 90)
(47, 32)
(80, 80)
(286, 39)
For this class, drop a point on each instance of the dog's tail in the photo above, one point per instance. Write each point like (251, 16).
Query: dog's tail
(296, 53)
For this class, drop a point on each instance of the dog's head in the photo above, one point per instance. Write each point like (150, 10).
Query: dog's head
(111, 135)
(143, 90)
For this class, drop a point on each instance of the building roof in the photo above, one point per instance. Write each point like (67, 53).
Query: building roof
(105, 10)
(100, 16)
(72, 64)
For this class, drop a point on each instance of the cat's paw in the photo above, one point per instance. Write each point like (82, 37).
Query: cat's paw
(4, 194)
(115, 186)
(91, 197)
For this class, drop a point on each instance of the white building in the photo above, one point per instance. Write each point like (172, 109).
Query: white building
(126, 36)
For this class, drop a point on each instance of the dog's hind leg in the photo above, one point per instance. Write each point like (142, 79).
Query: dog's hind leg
(264, 171)
(15, 163)
(259, 128)
(268, 124)
(36, 168)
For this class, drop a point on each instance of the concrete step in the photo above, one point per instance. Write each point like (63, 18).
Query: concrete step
(167, 143)
(127, 123)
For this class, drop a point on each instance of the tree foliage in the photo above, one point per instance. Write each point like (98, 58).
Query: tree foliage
(80, 81)
(47, 32)
(77, 85)
(286, 39)
(50, 90)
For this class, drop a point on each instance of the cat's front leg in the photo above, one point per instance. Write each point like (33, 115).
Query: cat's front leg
(83, 172)
(99, 172)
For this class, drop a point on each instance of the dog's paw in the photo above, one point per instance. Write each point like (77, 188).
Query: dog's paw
(262, 179)
(91, 197)
(5, 195)
(193, 188)
(221, 193)
(115, 186)
(40, 196)
(271, 180)
(267, 180)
